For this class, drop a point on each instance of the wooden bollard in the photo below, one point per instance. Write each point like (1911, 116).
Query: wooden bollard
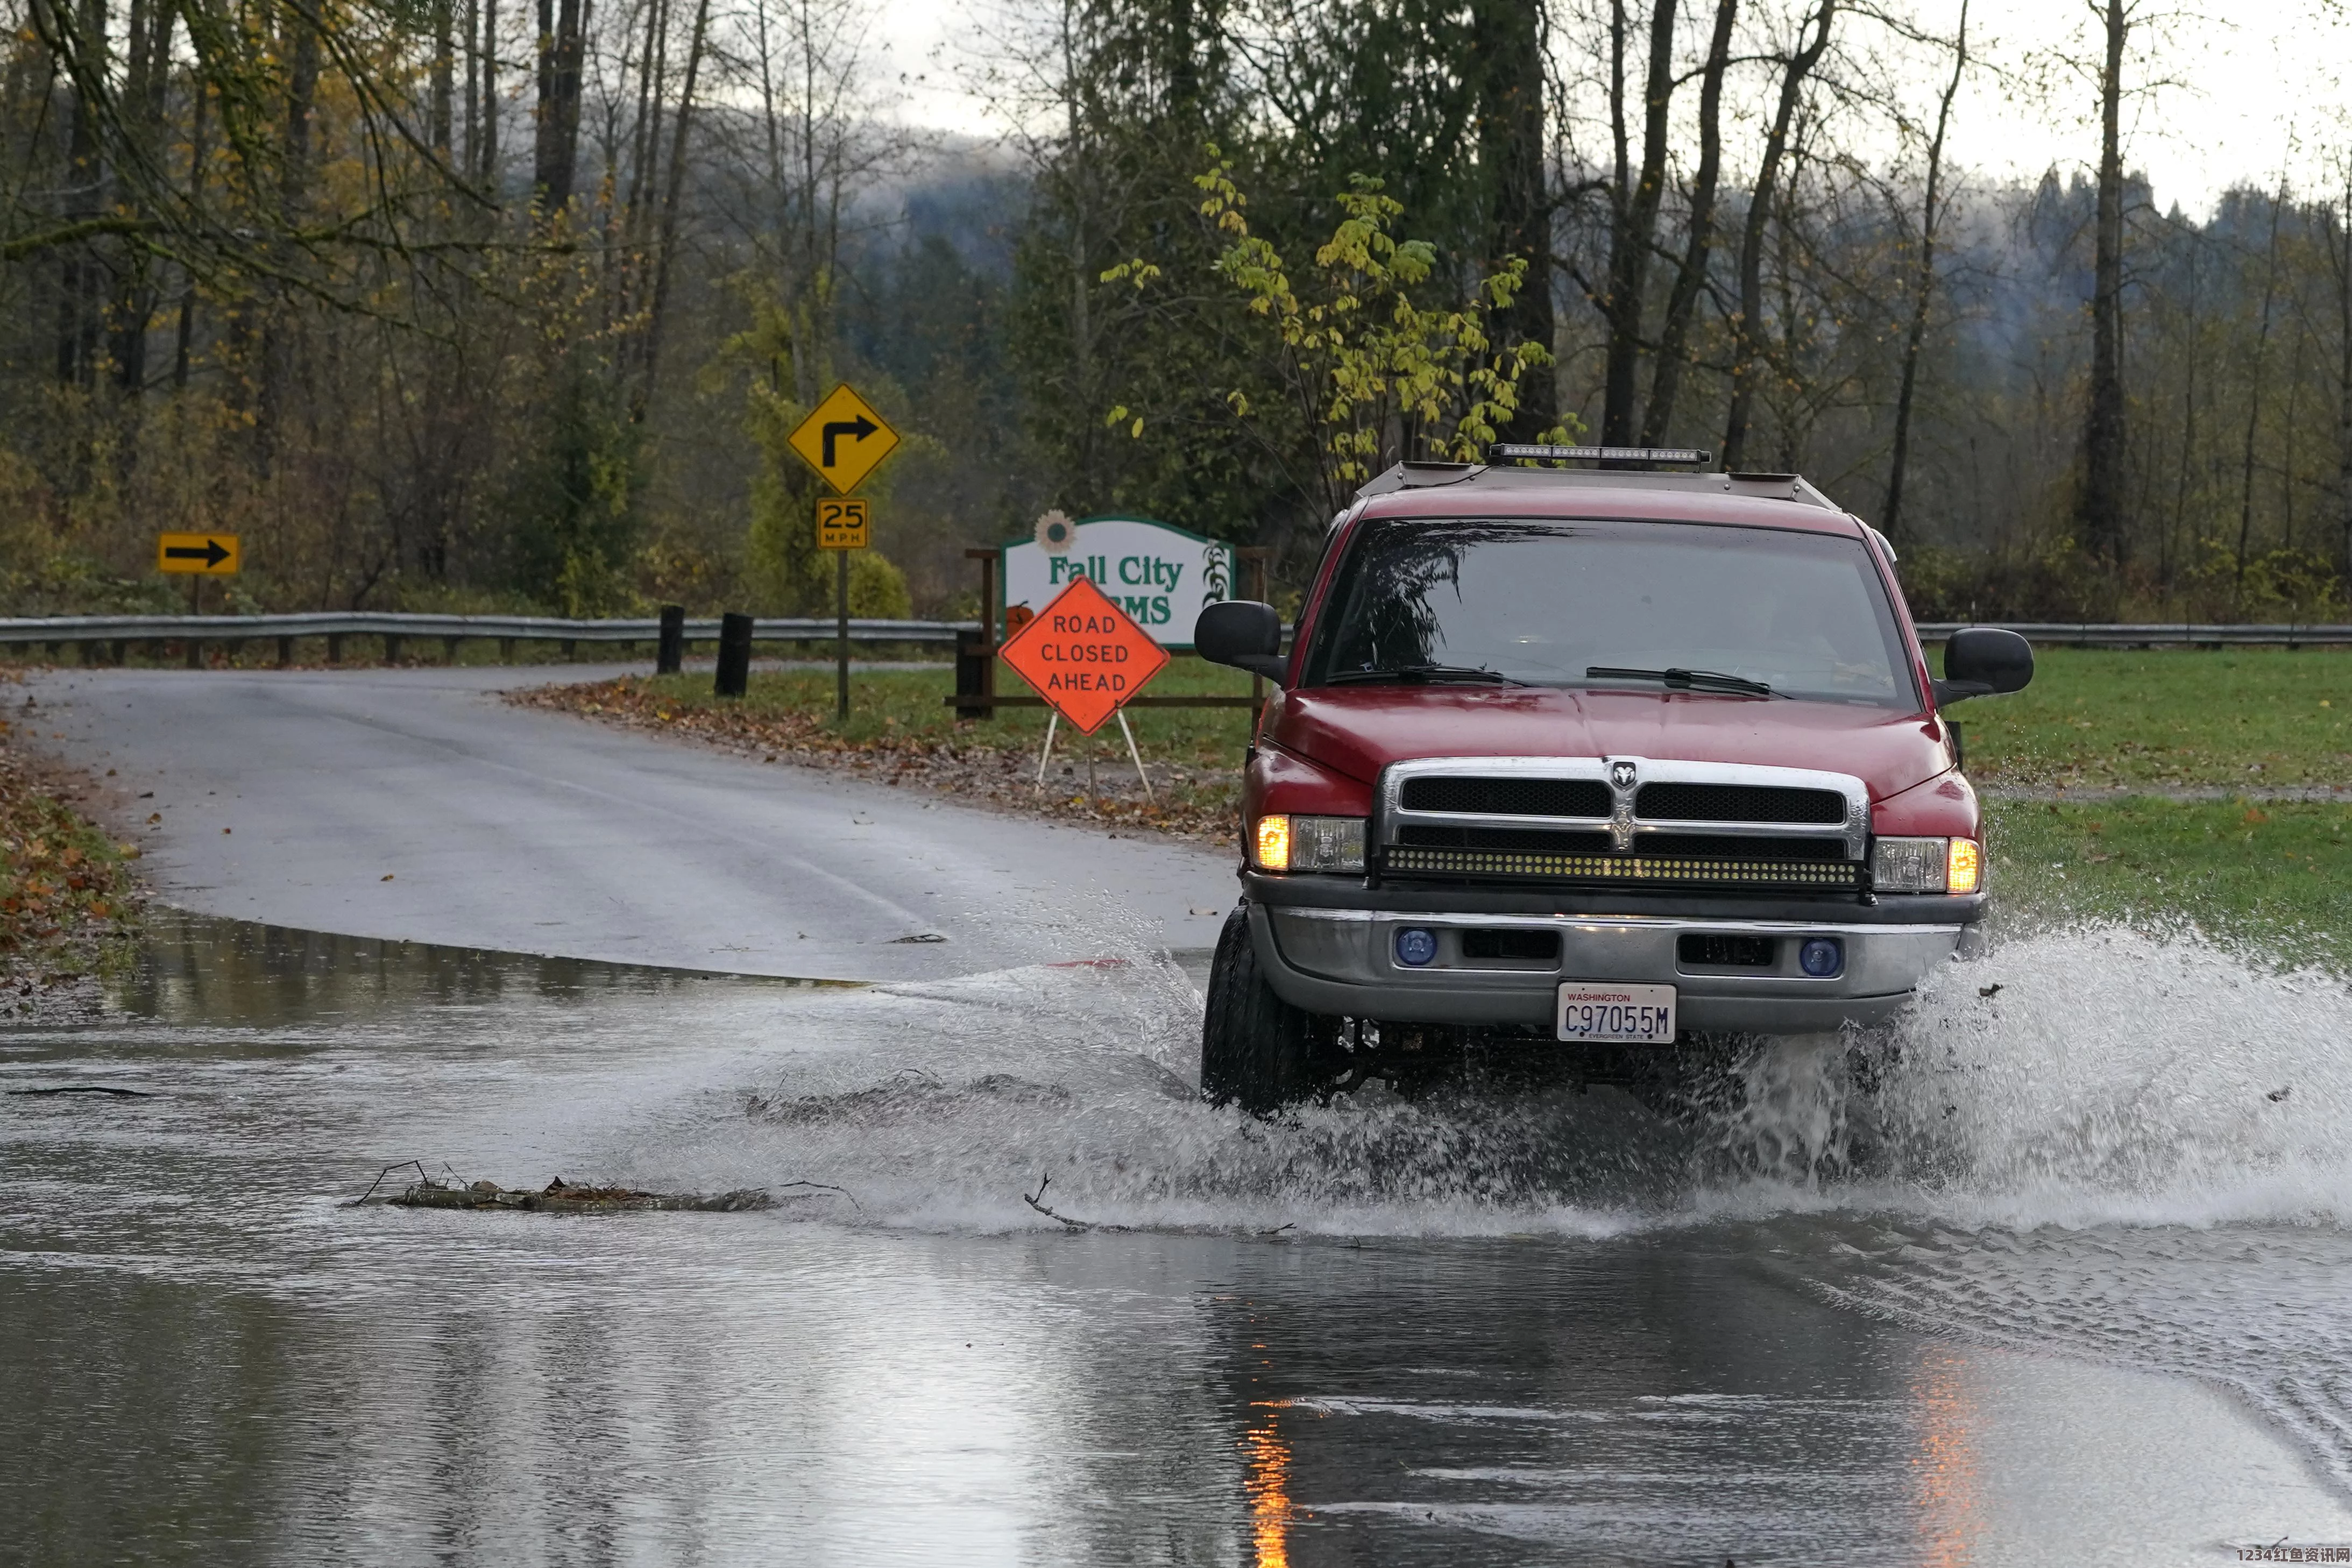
(670, 656)
(734, 673)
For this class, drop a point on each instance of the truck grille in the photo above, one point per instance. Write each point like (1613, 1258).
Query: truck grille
(1736, 803)
(1508, 797)
(1656, 869)
(1624, 822)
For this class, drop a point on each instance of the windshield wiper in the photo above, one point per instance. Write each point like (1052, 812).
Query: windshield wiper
(1681, 680)
(1411, 673)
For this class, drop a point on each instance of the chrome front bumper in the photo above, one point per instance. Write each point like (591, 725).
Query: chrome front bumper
(1344, 961)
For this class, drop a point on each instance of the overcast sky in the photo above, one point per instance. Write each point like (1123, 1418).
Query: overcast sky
(2260, 86)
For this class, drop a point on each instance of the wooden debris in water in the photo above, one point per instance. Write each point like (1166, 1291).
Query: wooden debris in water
(561, 1198)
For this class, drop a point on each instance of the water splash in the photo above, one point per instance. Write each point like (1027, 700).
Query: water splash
(2101, 1075)
(2079, 1077)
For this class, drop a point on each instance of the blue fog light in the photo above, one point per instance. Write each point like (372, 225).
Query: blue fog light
(1415, 947)
(1822, 958)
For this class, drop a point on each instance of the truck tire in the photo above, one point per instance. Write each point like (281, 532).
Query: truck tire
(1257, 1051)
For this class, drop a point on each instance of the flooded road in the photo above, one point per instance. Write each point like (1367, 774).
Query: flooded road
(2084, 1302)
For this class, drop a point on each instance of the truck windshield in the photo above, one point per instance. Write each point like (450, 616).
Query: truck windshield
(1609, 604)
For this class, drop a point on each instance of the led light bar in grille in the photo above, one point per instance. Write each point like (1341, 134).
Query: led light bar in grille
(1409, 859)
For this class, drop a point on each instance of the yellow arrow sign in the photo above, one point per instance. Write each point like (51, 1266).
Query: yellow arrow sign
(212, 555)
(844, 439)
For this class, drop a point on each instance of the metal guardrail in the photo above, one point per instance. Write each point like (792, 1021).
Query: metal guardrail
(395, 628)
(2170, 633)
(338, 625)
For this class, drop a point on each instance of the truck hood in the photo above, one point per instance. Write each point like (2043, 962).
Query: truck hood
(1359, 730)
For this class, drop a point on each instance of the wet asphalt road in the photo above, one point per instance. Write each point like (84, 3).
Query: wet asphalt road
(413, 803)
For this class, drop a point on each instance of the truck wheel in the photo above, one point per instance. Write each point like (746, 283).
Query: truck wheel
(1256, 1049)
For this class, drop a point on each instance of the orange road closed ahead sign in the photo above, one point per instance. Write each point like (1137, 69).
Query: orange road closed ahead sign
(1084, 656)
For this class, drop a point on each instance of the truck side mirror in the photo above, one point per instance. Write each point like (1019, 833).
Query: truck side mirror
(1981, 661)
(1243, 634)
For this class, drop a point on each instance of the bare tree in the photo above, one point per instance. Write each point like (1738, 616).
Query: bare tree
(2337, 232)
(1748, 323)
(2099, 507)
(1508, 60)
(1698, 238)
(1635, 196)
(563, 42)
(2257, 379)
(1923, 293)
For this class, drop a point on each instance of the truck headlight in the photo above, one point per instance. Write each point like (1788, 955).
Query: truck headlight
(1284, 843)
(1963, 866)
(1926, 865)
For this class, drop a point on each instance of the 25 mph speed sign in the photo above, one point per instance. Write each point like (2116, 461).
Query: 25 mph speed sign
(1085, 656)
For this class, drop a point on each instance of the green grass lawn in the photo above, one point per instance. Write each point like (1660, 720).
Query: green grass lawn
(2272, 875)
(2240, 717)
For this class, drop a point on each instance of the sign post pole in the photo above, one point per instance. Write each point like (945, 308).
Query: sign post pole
(843, 439)
(1140, 776)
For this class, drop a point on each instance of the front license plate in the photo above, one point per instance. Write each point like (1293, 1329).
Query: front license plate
(1637, 1015)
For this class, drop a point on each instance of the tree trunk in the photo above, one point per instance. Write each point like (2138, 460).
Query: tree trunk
(555, 153)
(143, 115)
(2166, 558)
(79, 275)
(1507, 44)
(445, 60)
(487, 171)
(2340, 254)
(1744, 325)
(666, 240)
(2099, 509)
(1682, 303)
(471, 151)
(1634, 230)
(2255, 381)
(293, 198)
(183, 338)
(1923, 292)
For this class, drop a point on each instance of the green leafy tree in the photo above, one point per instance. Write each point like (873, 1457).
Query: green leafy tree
(573, 502)
(1374, 374)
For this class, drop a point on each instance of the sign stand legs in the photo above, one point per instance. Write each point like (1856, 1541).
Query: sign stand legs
(1052, 719)
(1141, 777)
(841, 683)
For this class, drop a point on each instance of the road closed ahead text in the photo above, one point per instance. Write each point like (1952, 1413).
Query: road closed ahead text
(1086, 654)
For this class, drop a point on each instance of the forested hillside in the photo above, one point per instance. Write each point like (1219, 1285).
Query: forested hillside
(474, 303)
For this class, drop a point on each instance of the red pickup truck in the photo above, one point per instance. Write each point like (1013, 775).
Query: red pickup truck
(1607, 767)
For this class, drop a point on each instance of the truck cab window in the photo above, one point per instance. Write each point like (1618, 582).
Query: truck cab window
(1546, 603)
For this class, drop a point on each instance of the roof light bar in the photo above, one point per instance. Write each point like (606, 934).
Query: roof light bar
(1677, 456)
